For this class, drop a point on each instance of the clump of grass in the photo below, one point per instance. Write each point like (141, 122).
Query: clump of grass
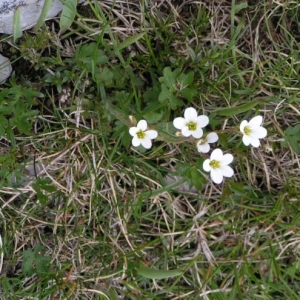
(96, 219)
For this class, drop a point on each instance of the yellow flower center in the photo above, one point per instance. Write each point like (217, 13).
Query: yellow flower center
(247, 130)
(141, 134)
(215, 164)
(192, 126)
(203, 141)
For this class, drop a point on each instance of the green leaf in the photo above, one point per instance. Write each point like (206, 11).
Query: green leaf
(174, 83)
(167, 97)
(237, 187)
(118, 113)
(165, 94)
(88, 57)
(293, 130)
(186, 79)
(150, 94)
(131, 40)
(3, 124)
(104, 76)
(294, 142)
(155, 106)
(46, 7)
(6, 109)
(192, 53)
(17, 28)
(16, 91)
(157, 274)
(34, 262)
(22, 125)
(169, 78)
(238, 7)
(28, 261)
(68, 15)
(40, 195)
(167, 132)
(195, 177)
(292, 136)
(30, 95)
(153, 117)
(42, 265)
(189, 94)
(232, 111)
(42, 185)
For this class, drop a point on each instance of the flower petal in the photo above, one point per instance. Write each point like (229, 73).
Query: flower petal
(136, 141)
(203, 148)
(151, 134)
(256, 121)
(206, 166)
(179, 122)
(259, 132)
(186, 132)
(243, 125)
(142, 124)
(202, 121)
(133, 130)
(146, 142)
(226, 159)
(246, 140)
(217, 154)
(216, 175)
(227, 171)
(198, 133)
(254, 141)
(212, 137)
(190, 114)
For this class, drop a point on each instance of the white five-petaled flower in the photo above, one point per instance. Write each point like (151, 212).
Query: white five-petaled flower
(191, 124)
(203, 144)
(252, 131)
(217, 165)
(141, 135)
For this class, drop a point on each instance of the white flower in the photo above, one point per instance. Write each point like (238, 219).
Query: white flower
(217, 165)
(191, 124)
(141, 135)
(252, 131)
(203, 144)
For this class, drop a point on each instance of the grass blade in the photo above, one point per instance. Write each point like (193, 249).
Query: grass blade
(232, 111)
(67, 15)
(17, 28)
(130, 40)
(157, 274)
(43, 15)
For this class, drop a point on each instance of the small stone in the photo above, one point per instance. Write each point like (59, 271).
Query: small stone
(30, 11)
(5, 68)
